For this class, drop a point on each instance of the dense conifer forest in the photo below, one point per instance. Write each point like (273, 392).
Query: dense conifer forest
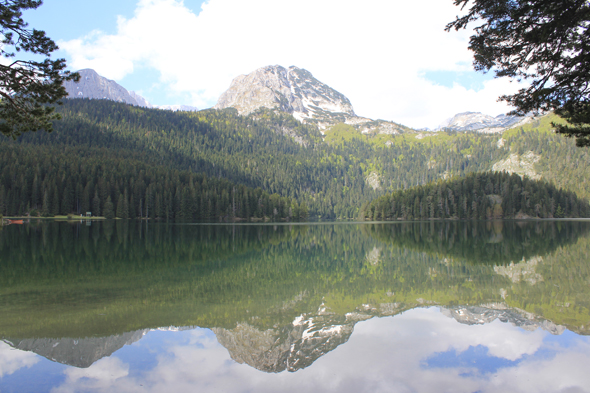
(66, 180)
(490, 195)
(119, 160)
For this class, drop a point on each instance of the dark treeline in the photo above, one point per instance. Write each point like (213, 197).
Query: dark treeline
(73, 251)
(75, 180)
(492, 242)
(478, 196)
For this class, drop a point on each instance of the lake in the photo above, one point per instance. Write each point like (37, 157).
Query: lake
(124, 306)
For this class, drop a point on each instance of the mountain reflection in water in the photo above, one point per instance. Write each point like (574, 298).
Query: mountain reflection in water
(280, 297)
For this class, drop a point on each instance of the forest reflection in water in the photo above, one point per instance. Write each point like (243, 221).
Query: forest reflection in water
(280, 297)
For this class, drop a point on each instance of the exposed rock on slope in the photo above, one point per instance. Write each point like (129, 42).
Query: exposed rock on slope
(521, 271)
(296, 91)
(373, 180)
(521, 165)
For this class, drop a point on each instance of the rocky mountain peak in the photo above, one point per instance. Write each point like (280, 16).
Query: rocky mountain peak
(291, 347)
(292, 90)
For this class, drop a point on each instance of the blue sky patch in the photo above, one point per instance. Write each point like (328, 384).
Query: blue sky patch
(567, 339)
(470, 80)
(71, 19)
(474, 357)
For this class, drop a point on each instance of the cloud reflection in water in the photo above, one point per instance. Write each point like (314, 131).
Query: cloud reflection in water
(421, 350)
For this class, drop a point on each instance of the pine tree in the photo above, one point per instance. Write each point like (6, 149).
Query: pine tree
(120, 208)
(109, 211)
(96, 205)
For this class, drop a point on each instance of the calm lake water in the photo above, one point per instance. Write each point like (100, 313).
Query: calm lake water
(394, 307)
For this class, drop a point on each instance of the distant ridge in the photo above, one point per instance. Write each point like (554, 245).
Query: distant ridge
(94, 86)
(477, 121)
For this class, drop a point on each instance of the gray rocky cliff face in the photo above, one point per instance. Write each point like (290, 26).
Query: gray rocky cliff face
(94, 86)
(477, 121)
(292, 347)
(293, 90)
(77, 352)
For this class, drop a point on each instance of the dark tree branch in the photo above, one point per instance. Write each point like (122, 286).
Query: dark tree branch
(28, 88)
(544, 42)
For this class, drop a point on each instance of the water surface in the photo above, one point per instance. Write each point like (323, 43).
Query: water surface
(403, 307)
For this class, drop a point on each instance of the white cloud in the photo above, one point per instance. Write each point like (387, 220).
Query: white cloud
(373, 52)
(106, 375)
(12, 360)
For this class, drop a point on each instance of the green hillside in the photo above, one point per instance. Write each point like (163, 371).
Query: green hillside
(331, 176)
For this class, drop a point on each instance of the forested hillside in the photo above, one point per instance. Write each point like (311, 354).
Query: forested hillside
(60, 180)
(331, 176)
(478, 196)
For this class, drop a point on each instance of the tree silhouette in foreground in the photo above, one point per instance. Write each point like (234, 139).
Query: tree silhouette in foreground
(543, 42)
(28, 87)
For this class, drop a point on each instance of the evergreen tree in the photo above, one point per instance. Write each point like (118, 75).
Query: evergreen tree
(109, 211)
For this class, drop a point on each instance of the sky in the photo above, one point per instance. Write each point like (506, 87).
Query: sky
(391, 58)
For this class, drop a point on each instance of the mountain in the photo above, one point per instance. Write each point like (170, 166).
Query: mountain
(94, 86)
(477, 121)
(291, 347)
(295, 91)
(77, 352)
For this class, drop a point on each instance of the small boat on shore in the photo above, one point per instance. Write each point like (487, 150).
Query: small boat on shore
(7, 221)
